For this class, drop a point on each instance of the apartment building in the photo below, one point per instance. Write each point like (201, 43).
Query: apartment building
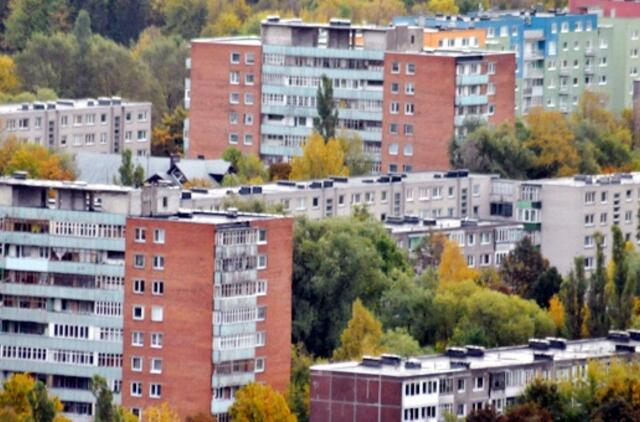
(200, 322)
(62, 250)
(606, 8)
(483, 243)
(463, 379)
(454, 38)
(103, 125)
(261, 98)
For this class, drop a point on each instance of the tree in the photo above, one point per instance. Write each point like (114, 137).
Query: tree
(522, 267)
(552, 141)
(298, 392)
(453, 267)
(167, 137)
(39, 162)
(130, 175)
(446, 7)
(162, 413)
(623, 284)
(487, 414)
(43, 409)
(27, 17)
(24, 399)
(184, 17)
(398, 341)
(9, 82)
(327, 120)
(546, 396)
(249, 170)
(15, 395)
(573, 297)
(361, 337)
(259, 402)
(355, 158)
(528, 412)
(279, 171)
(597, 323)
(319, 159)
(557, 314)
(104, 399)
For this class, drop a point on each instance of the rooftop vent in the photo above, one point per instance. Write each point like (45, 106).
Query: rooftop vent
(244, 190)
(459, 364)
(285, 183)
(412, 219)
(557, 343)
(24, 106)
(199, 190)
(475, 351)
(184, 214)
(39, 106)
(634, 334)
(315, 185)
(273, 18)
(429, 222)
(20, 175)
(456, 352)
(621, 336)
(368, 181)
(625, 348)
(327, 184)
(412, 364)
(389, 359)
(394, 220)
(542, 356)
(454, 174)
(232, 212)
(256, 189)
(383, 179)
(339, 179)
(185, 194)
(538, 344)
(468, 222)
(371, 362)
(339, 22)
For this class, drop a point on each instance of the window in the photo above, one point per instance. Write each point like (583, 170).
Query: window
(409, 88)
(461, 385)
(136, 364)
(156, 365)
(479, 383)
(262, 237)
(64, 121)
(142, 135)
(158, 262)
(409, 108)
(248, 98)
(77, 119)
(408, 130)
(157, 313)
(393, 149)
(158, 236)
(137, 338)
(138, 261)
(589, 197)
(589, 220)
(248, 139)
(155, 390)
(233, 138)
(603, 197)
(234, 98)
(156, 340)
(138, 286)
(395, 67)
(140, 234)
(138, 312)
(411, 69)
(393, 128)
(136, 388)
(554, 28)
(588, 241)
(408, 150)
(394, 107)
(262, 262)
(259, 365)
(248, 119)
(249, 79)
(395, 87)
(564, 27)
(158, 288)
(234, 78)
(249, 58)
(103, 138)
(235, 58)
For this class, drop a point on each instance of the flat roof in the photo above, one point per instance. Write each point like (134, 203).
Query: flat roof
(213, 217)
(64, 185)
(69, 104)
(503, 357)
(591, 180)
(422, 225)
(244, 40)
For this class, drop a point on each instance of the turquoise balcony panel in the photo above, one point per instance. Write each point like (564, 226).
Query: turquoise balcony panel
(43, 317)
(224, 304)
(218, 380)
(232, 329)
(459, 120)
(375, 116)
(37, 239)
(220, 406)
(374, 75)
(343, 53)
(351, 94)
(470, 100)
(16, 365)
(286, 110)
(44, 265)
(43, 290)
(280, 151)
(10, 339)
(472, 79)
(267, 129)
(63, 215)
(233, 354)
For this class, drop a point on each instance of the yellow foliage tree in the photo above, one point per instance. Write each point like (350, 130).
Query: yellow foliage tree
(260, 402)
(556, 312)
(15, 404)
(319, 160)
(39, 163)
(552, 141)
(9, 82)
(362, 335)
(162, 413)
(446, 7)
(453, 267)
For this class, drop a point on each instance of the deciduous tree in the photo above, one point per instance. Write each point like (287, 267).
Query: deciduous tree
(162, 413)
(259, 402)
(598, 323)
(319, 159)
(361, 337)
(453, 266)
(327, 120)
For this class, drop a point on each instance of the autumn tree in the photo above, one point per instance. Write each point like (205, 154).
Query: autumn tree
(162, 413)
(361, 337)
(319, 159)
(167, 137)
(557, 314)
(279, 171)
(597, 323)
(184, 17)
(445, 7)
(356, 159)
(27, 17)
(9, 82)
(298, 392)
(453, 266)
(574, 291)
(259, 402)
(130, 175)
(327, 120)
(37, 161)
(623, 284)
(24, 399)
(247, 169)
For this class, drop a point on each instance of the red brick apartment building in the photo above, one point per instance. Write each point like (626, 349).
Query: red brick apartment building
(404, 101)
(207, 309)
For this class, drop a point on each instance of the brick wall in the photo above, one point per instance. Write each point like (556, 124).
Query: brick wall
(504, 81)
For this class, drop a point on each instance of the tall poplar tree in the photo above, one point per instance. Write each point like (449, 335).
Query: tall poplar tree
(327, 120)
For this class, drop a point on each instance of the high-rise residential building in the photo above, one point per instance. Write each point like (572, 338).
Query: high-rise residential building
(404, 101)
(198, 306)
(207, 309)
(457, 382)
(88, 125)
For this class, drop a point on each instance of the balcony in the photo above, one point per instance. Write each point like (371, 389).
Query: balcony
(31, 366)
(220, 405)
(534, 55)
(472, 79)
(534, 34)
(43, 316)
(49, 291)
(589, 52)
(53, 240)
(233, 354)
(460, 120)
(267, 148)
(471, 100)
(227, 380)
(533, 74)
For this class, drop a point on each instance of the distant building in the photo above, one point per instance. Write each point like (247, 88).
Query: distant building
(89, 125)
(103, 168)
(463, 379)
(404, 101)
(606, 8)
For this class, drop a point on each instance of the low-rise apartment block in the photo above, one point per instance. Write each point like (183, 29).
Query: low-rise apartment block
(404, 101)
(90, 125)
(392, 389)
(207, 309)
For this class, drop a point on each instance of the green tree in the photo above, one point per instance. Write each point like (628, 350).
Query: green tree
(184, 17)
(327, 120)
(398, 341)
(167, 137)
(298, 392)
(28, 17)
(259, 402)
(355, 158)
(362, 335)
(43, 409)
(522, 269)
(130, 175)
(574, 291)
(623, 284)
(104, 411)
(597, 323)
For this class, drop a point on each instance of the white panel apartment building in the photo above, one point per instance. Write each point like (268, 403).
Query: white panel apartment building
(87, 125)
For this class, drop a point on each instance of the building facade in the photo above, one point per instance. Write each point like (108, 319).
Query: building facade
(392, 389)
(383, 81)
(103, 125)
(606, 8)
(199, 323)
